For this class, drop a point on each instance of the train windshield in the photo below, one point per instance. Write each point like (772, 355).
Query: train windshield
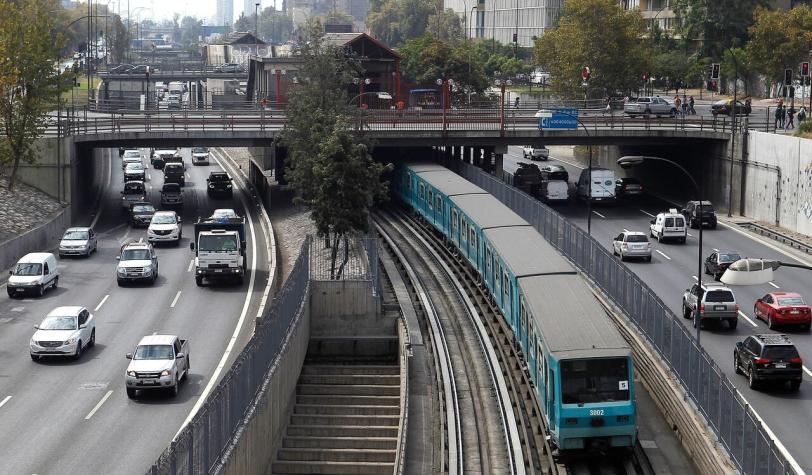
(594, 380)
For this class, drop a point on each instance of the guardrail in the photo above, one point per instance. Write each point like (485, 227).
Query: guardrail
(738, 428)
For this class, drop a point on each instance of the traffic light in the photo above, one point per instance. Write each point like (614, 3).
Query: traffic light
(805, 69)
(715, 71)
(515, 38)
(787, 77)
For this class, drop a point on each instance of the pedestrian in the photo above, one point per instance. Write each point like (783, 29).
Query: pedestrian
(678, 104)
(783, 116)
(691, 105)
(516, 104)
(684, 104)
(748, 106)
(777, 116)
(790, 117)
(802, 114)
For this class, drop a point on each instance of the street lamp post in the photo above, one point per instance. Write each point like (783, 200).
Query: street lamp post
(256, 28)
(502, 84)
(630, 161)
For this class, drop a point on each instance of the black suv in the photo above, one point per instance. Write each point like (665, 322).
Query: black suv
(554, 172)
(219, 184)
(691, 213)
(527, 178)
(768, 358)
(141, 213)
(717, 263)
(174, 173)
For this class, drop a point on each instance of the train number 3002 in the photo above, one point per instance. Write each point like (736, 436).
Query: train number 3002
(596, 412)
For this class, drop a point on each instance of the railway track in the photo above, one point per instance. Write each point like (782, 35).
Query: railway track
(533, 452)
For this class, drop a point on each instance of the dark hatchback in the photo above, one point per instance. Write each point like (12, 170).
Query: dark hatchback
(692, 214)
(141, 214)
(219, 184)
(717, 263)
(628, 187)
(554, 172)
(174, 173)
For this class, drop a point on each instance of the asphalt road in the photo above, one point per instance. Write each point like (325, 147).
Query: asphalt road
(674, 268)
(64, 416)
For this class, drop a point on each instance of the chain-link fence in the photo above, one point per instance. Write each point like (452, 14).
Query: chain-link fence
(732, 420)
(353, 258)
(198, 447)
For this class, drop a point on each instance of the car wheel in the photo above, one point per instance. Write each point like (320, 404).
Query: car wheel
(713, 226)
(10, 293)
(686, 312)
(40, 291)
(659, 237)
(173, 391)
(805, 327)
(78, 353)
(614, 251)
(648, 258)
(154, 278)
(120, 282)
(682, 240)
(35, 357)
(131, 393)
(56, 283)
(622, 257)
(736, 363)
(199, 281)
(770, 324)
(751, 378)
(795, 384)
(92, 341)
(733, 323)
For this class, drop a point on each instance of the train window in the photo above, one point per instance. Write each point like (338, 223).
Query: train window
(539, 364)
(496, 271)
(439, 202)
(464, 233)
(455, 217)
(407, 182)
(430, 199)
(472, 231)
(488, 258)
(551, 386)
(594, 380)
(531, 335)
(505, 284)
(421, 192)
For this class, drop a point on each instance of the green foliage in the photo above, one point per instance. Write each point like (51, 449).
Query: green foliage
(617, 55)
(508, 66)
(396, 21)
(329, 166)
(28, 79)
(671, 69)
(445, 25)
(244, 23)
(780, 40)
(720, 24)
(698, 71)
(427, 59)
(274, 25)
(190, 30)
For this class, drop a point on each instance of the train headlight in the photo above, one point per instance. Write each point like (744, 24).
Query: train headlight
(623, 419)
(571, 421)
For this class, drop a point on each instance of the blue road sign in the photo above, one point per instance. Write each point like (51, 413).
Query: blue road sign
(561, 119)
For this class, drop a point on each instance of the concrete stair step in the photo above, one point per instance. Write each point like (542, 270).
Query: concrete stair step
(386, 443)
(336, 455)
(329, 399)
(322, 419)
(350, 369)
(348, 389)
(332, 468)
(341, 431)
(346, 410)
(369, 379)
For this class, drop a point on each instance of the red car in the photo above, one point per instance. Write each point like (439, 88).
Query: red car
(783, 308)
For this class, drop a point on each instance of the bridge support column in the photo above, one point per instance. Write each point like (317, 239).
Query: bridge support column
(498, 155)
(457, 151)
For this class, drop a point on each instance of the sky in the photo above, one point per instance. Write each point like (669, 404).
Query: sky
(164, 9)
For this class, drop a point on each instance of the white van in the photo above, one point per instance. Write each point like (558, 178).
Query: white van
(554, 190)
(34, 273)
(602, 187)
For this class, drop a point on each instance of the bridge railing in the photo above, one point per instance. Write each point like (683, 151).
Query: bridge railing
(736, 425)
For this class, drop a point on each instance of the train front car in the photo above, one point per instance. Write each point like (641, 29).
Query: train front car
(584, 372)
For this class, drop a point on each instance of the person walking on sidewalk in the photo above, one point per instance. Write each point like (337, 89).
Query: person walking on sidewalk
(777, 117)
(802, 114)
(691, 105)
(790, 117)
(678, 104)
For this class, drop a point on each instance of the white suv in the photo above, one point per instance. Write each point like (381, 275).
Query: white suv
(165, 226)
(669, 225)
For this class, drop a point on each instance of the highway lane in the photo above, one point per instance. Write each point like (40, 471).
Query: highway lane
(672, 271)
(75, 417)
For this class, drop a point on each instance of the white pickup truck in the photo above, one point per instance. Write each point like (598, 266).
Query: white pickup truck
(159, 362)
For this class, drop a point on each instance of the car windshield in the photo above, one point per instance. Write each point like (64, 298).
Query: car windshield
(133, 188)
(58, 323)
(218, 243)
(135, 255)
(76, 235)
(731, 257)
(134, 167)
(200, 150)
(163, 219)
(27, 269)
(780, 352)
(154, 352)
(631, 181)
(790, 301)
(594, 380)
(132, 154)
(171, 188)
(218, 177)
(173, 168)
(143, 209)
(719, 296)
(636, 238)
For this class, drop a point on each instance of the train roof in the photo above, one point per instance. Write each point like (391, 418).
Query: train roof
(418, 167)
(526, 252)
(449, 183)
(487, 211)
(571, 321)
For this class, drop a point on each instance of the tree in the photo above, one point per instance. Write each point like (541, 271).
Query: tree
(426, 59)
(28, 80)
(445, 25)
(780, 40)
(329, 167)
(598, 34)
(671, 69)
(244, 23)
(275, 26)
(719, 24)
(736, 63)
(190, 30)
(397, 21)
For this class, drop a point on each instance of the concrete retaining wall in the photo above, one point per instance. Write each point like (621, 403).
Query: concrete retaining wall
(792, 195)
(51, 166)
(347, 307)
(259, 439)
(42, 238)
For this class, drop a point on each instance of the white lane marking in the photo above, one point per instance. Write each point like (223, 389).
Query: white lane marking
(695, 278)
(580, 167)
(748, 319)
(175, 300)
(191, 263)
(6, 283)
(602, 216)
(625, 230)
(154, 333)
(101, 194)
(188, 176)
(662, 254)
(777, 287)
(5, 400)
(647, 213)
(99, 405)
(101, 303)
(233, 340)
(717, 250)
(806, 370)
(18, 309)
(689, 234)
(140, 240)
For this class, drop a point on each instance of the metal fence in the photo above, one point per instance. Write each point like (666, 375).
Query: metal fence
(361, 264)
(198, 447)
(729, 416)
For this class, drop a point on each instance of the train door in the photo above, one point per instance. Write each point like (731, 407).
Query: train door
(539, 375)
(472, 246)
(421, 198)
(506, 296)
(488, 268)
(523, 338)
(430, 206)
(551, 402)
(455, 226)
(438, 208)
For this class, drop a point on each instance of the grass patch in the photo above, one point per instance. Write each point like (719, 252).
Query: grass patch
(79, 93)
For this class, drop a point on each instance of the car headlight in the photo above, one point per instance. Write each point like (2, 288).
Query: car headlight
(166, 372)
(211, 185)
(228, 186)
(131, 373)
(122, 271)
(70, 341)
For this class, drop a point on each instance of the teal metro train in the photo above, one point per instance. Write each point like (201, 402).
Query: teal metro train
(580, 364)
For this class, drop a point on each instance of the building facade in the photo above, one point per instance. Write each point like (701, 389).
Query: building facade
(225, 13)
(500, 20)
(659, 12)
(250, 6)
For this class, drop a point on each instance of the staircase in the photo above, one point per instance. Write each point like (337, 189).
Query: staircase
(345, 421)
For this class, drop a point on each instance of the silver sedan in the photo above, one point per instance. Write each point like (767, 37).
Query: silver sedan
(632, 244)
